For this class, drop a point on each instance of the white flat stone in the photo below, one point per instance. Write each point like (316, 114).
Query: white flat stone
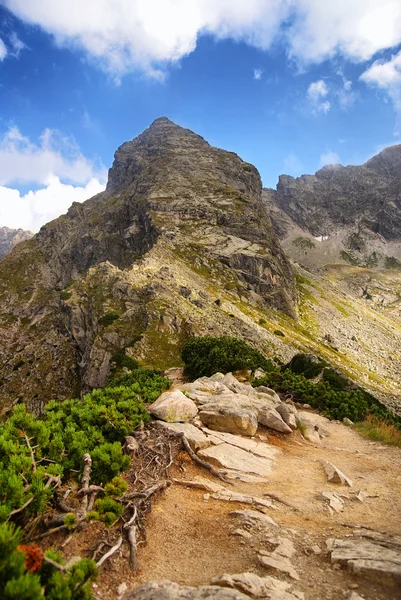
(196, 439)
(257, 448)
(236, 459)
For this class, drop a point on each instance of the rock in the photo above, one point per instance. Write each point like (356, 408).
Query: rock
(316, 549)
(355, 596)
(278, 563)
(245, 477)
(167, 590)
(131, 444)
(173, 406)
(231, 496)
(310, 434)
(257, 448)
(196, 439)
(257, 587)
(259, 373)
(288, 414)
(217, 377)
(347, 421)
(335, 501)
(266, 391)
(375, 557)
(121, 589)
(272, 419)
(242, 533)
(10, 238)
(253, 518)
(285, 548)
(334, 475)
(230, 420)
(236, 459)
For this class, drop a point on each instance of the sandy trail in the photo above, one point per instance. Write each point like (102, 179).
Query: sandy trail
(190, 541)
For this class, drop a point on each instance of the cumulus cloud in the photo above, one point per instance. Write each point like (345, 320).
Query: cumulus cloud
(316, 92)
(55, 165)
(124, 35)
(24, 161)
(329, 158)
(35, 208)
(257, 73)
(3, 50)
(387, 76)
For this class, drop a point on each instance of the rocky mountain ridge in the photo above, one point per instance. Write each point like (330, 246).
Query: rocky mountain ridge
(96, 281)
(10, 238)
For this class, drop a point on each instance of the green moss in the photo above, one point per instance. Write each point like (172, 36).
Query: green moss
(108, 318)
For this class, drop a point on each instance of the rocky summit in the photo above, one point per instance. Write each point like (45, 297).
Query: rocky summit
(10, 238)
(139, 268)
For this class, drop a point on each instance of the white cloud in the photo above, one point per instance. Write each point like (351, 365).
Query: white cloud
(55, 165)
(34, 209)
(23, 161)
(16, 44)
(346, 96)
(329, 158)
(257, 73)
(317, 90)
(3, 50)
(125, 35)
(387, 76)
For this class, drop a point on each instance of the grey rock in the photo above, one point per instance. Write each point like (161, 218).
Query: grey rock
(167, 590)
(10, 238)
(288, 413)
(230, 420)
(236, 459)
(251, 445)
(335, 501)
(232, 496)
(272, 419)
(334, 475)
(254, 519)
(278, 563)
(257, 587)
(173, 406)
(375, 557)
(347, 421)
(196, 439)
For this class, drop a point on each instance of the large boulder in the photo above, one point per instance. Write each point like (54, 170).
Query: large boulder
(288, 413)
(269, 417)
(167, 590)
(173, 406)
(196, 439)
(231, 457)
(231, 420)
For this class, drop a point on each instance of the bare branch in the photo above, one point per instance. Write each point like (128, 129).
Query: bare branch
(110, 552)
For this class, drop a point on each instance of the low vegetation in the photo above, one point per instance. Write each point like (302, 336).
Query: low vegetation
(204, 356)
(37, 456)
(380, 431)
(311, 381)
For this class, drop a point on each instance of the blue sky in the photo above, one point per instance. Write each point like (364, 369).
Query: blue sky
(287, 84)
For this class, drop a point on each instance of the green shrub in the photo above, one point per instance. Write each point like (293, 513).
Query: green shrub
(305, 364)
(121, 360)
(18, 365)
(65, 295)
(352, 402)
(392, 263)
(279, 333)
(108, 318)
(147, 383)
(24, 575)
(204, 356)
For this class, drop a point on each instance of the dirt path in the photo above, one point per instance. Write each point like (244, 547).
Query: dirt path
(190, 541)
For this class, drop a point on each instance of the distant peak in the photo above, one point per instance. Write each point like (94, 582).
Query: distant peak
(162, 121)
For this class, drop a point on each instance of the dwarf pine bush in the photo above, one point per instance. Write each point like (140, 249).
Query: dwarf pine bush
(204, 356)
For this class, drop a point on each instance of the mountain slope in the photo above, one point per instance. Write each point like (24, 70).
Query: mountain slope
(139, 266)
(10, 238)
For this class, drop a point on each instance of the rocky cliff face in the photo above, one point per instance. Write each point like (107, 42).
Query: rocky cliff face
(337, 196)
(10, 238)
(180, 232)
